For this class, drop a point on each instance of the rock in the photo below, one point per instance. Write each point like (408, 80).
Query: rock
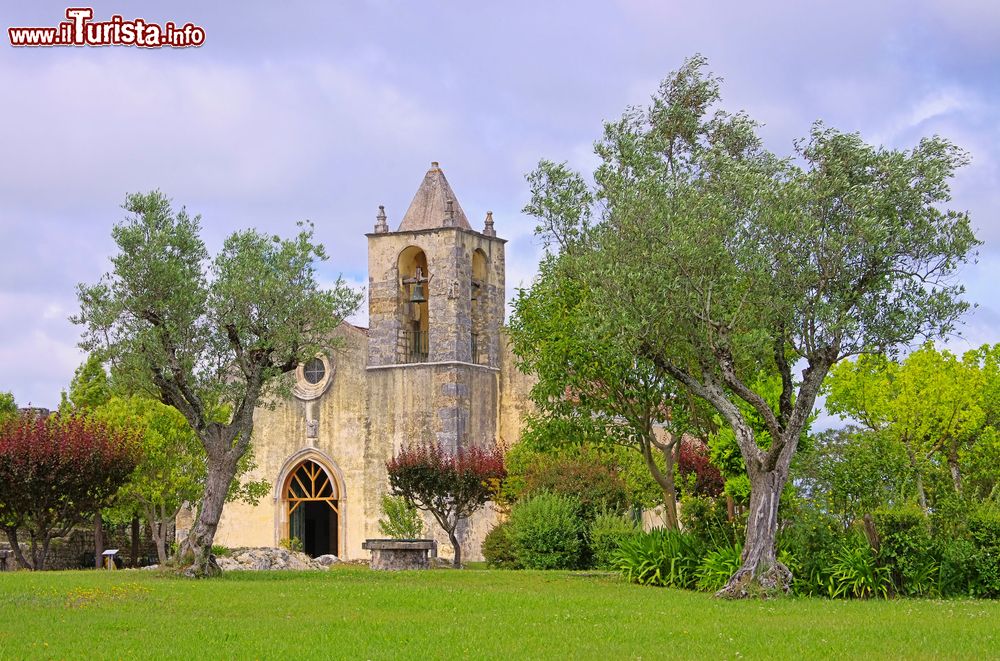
(326, 560)
(272, 559)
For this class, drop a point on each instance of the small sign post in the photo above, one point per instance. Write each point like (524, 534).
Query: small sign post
(109, 558)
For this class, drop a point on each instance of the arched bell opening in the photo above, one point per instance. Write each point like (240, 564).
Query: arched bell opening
(480, 272)
(414, 294)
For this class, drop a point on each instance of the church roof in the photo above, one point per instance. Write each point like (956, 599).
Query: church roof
(434, 205)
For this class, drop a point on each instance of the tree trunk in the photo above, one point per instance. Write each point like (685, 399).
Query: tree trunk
(161, 544)
(98, 541)
(135, 541)
(670, 490)
(197, 549)
(918, 479)
(16, 547)
(956, 473)
(457, 562)
(761, 574)
(664, 478)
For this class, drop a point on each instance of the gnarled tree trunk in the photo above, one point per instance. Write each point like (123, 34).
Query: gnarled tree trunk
(761, 574)
(197, 548)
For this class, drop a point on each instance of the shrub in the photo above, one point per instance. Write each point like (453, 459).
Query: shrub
(56, 472)
(984, 528)
(498, 548)
(661, 557)
(401, 520)
(449, 485)
(905, 549)
(547, 532)
(596, 486)
(958, 570)
(606, 534)
(857, 573)
(807, 544)
(291, 544)
(717, 566)
(707, 520)
(697, 474)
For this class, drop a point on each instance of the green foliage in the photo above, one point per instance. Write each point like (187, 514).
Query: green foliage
(737, 487)
(666, 558)
(706, 520)
(498, 548)
(984, 529)
(172, 469)
(8, 407)
(959, 567)
(905, 548)
(547, 532)
(624, 481)
(291, 544)
(855, 572)
(221, 551)
(607, 532)
(595, 485)
(718, 566)
(400, 519)
(935, 409)
(89, 388)
(854, 472)
(807, 544)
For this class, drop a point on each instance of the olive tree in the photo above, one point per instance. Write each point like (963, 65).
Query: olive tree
(718, 262)
(209, 333)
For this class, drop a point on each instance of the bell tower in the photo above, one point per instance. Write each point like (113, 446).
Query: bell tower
(435, 307)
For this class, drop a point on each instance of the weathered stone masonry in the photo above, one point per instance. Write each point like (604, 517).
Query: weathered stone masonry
(432, 366)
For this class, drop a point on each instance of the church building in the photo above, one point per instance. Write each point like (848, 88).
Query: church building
(433, 366)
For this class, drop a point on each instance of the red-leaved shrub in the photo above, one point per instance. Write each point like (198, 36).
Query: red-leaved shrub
(55, 472)
(449, 485)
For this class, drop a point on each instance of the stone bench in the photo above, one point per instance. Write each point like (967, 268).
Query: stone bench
(395, 554)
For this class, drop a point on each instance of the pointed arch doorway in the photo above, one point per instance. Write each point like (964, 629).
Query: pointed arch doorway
(311, 501)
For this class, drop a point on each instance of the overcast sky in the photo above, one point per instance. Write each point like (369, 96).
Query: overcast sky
(291, 111)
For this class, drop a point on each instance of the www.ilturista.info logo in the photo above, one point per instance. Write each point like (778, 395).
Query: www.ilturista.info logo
(80, 30)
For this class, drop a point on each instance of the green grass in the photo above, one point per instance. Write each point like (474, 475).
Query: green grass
(351, 612)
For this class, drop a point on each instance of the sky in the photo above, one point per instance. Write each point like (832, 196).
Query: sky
(323, 111)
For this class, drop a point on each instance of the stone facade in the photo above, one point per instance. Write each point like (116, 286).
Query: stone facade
(433, 366)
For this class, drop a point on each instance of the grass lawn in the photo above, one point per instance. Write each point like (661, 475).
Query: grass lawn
(351, 612)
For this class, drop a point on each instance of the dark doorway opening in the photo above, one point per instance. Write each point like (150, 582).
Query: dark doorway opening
(320, 528)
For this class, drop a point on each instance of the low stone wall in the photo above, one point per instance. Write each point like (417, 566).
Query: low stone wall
(76, 550)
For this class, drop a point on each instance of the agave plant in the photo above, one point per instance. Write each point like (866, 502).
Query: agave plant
(660, 557)
(856, 573)
(717, 566)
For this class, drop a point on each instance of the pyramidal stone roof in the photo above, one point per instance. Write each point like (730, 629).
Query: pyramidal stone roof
(434, 205)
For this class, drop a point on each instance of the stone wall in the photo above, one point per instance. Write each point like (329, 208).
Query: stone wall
(76, 550)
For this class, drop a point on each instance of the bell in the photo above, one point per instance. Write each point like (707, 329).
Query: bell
(417, 296)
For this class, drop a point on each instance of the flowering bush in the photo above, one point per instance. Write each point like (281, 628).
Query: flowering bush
(698, 475)
(451, 486)
(56, 471)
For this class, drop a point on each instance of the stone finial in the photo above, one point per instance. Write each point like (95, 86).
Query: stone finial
(449, 213)
(488, 228)
(381, 226)
(435, 165)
